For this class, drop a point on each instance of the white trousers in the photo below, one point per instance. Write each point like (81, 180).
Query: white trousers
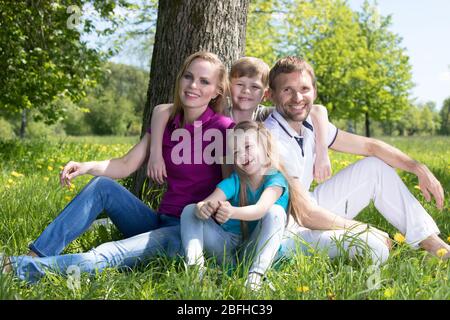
(348, 193)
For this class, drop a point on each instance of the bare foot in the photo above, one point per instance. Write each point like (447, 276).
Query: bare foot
(6, 263)
(32, 254)
(436, 246)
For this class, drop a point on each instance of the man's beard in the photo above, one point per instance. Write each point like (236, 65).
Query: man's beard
(291, 116)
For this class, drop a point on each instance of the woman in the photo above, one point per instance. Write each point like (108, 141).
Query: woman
(201, 86)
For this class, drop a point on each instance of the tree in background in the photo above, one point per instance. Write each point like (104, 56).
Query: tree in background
(361, 69)
(445, 117)
(42, 56)
(184, 27)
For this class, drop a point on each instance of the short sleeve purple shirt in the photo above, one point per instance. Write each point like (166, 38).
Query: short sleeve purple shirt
(193, 180)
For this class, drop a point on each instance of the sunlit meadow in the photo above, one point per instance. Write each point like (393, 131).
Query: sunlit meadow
(30, 197)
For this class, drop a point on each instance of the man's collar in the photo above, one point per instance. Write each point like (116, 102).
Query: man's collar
(284, 124)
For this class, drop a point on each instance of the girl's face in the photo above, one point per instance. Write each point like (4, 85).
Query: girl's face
(199, 84)
(246, 93)
(249, 155)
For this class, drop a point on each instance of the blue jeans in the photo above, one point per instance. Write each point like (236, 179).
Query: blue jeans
(147, 233)
(199, 236)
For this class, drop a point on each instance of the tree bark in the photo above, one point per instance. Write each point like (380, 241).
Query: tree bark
(367, 125)
(182, 28)
(23, 124)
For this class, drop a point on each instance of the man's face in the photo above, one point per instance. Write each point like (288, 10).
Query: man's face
(293, 95)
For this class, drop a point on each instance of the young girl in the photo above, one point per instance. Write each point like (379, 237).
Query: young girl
(249, 78)
(257, 191)
(199, 94)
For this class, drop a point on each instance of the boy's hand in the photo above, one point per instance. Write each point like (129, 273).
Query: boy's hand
(225, 212)
(322, 166)
(205, 209)
(156, 168)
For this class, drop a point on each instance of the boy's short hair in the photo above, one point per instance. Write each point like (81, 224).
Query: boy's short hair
(250, 67)
(291, 64)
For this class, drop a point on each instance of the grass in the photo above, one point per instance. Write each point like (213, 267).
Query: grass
(30, 198)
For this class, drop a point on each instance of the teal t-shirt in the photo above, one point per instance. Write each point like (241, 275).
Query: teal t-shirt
(231, 185)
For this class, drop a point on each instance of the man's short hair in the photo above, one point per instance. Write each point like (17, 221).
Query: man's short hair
(250, 67)
(291, 64)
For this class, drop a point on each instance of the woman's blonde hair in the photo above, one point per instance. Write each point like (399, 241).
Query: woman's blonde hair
(218, 103)
(299, 201)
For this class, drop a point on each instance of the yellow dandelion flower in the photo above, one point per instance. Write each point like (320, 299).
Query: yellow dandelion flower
(417, 187)
(399, 237)
(61, 168)
(441, 252)
(448, 239)
(389, 292)
(50, 168)
(46, 179)
(303, 289)
(68, 198)
(11, 181)
(331, 296)
(17, 174)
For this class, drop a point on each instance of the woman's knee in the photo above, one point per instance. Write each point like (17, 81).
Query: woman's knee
(376, 165)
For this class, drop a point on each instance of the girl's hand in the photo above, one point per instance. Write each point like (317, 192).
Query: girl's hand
(322, 166)
(156, 168)
(206, 209)
(71, 170)
(224, 212)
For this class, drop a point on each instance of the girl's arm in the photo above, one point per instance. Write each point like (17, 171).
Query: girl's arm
(156, 168)
(114, 168)
(322, 166)
(252, 212)
(209, 206)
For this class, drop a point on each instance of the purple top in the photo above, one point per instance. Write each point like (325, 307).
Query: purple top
(192, 180)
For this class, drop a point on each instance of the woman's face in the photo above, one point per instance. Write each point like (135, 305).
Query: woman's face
(199, 84)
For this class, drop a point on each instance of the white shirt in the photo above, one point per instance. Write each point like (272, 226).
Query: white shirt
(299, 162)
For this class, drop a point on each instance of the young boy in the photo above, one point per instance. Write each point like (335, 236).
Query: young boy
(249, 79)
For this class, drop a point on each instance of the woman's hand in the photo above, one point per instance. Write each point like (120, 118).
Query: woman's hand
(71, 170)
(224, 212)
(205, 209)
(156, 168)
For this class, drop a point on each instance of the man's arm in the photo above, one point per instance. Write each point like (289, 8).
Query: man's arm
(351, 143)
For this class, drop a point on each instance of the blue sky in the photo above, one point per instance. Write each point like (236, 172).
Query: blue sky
(424, 26)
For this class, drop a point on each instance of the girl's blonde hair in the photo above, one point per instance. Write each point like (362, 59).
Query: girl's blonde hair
(299, 201)
(218, 103)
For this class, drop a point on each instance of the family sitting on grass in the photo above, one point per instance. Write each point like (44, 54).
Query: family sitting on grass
(255, 207)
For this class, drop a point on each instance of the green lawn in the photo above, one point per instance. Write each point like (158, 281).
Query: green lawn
(30, 197)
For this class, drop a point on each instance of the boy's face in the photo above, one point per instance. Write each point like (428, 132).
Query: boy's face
(293, 95)
(247, 93)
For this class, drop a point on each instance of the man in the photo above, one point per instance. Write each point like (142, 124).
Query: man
(292, 87)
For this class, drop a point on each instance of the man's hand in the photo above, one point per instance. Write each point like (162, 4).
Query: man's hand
(225, 212)
(429, 184)
(205, 209)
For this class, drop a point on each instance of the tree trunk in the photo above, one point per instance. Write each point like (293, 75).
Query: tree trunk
(23, 124)
(184, 27)
(367, 125)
